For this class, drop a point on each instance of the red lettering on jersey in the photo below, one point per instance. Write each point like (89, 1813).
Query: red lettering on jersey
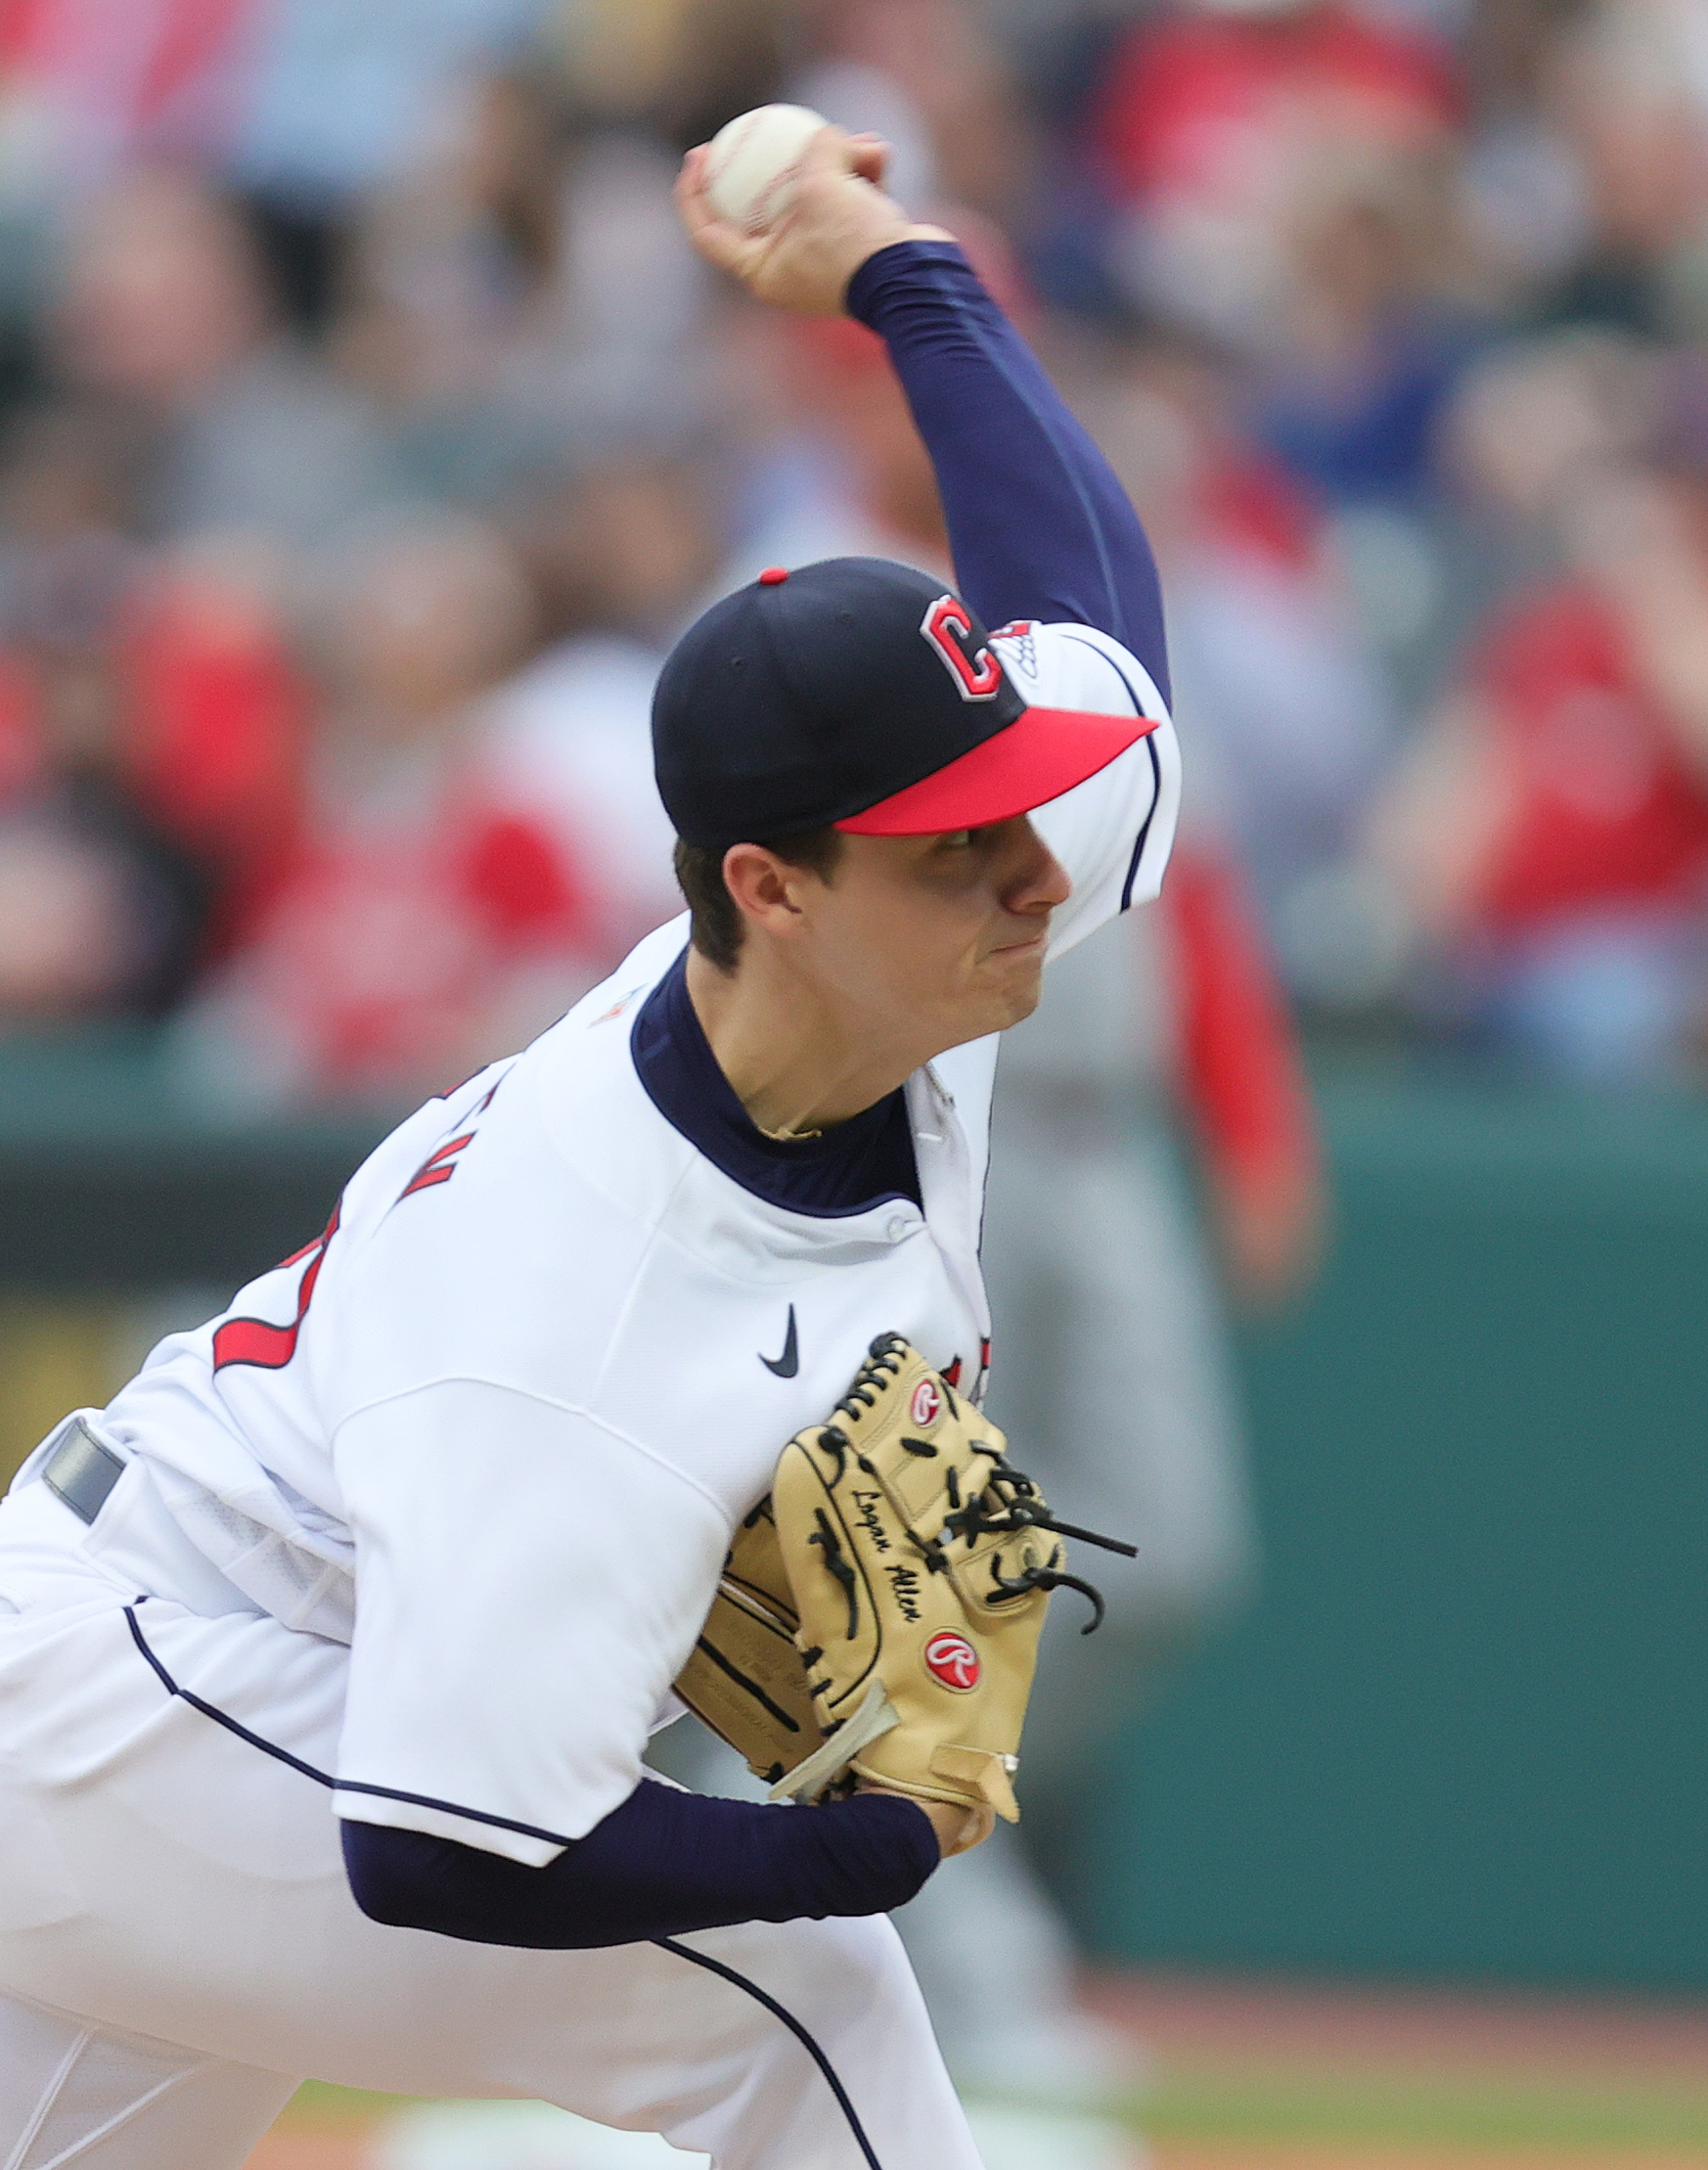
(259, 1342)
(438, 1166)
(976, 673)
(486, 1099)
(976, 1394)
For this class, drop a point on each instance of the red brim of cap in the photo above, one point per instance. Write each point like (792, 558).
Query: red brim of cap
(1042, 753)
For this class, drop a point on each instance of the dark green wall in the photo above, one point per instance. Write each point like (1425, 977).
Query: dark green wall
(1462, 1728)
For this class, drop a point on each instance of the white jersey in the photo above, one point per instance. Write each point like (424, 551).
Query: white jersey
(494, 1428)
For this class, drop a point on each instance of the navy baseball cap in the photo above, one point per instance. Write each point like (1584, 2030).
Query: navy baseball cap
(862, 694)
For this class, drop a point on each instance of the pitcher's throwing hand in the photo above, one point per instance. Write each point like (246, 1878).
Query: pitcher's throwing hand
(839, 217)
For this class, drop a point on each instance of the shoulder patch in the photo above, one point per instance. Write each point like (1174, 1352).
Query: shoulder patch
(1017, 646)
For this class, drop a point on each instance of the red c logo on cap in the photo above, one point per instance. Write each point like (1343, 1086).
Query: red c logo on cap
(952, 1659)
(978, 675)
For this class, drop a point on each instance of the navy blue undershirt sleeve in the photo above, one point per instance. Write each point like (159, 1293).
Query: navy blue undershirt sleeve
(661, 1862)
(1038, 525)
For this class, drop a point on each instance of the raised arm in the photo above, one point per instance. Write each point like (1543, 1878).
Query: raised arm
(1038, 523)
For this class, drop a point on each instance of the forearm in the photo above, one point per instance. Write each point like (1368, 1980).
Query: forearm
(661, 1862)
(1038, 526)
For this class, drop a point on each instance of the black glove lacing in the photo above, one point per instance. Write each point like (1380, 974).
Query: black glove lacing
(1033, 1577)
(831, 1544)
(882, 1362)
(1020, 1505)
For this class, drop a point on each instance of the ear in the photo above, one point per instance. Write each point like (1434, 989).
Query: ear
(767, 889)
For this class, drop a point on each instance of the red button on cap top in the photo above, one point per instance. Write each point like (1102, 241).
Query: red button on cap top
(774, 576)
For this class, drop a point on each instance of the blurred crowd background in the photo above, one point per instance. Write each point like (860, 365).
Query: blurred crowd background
(367, 428)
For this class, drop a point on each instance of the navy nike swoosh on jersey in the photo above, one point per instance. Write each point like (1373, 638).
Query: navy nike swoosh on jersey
(788, 1363)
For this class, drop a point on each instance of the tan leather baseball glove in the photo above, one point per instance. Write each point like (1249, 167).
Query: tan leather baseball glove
(921, 1564)
(744, 1676)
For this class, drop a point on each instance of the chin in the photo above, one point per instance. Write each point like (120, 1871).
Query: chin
(1023, 997)
(994, 1002)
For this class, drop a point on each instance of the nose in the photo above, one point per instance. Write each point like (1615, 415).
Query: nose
(1038, 881)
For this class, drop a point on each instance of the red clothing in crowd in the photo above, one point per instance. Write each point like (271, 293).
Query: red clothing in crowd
(214, 743)
(1250, 504)
(1605, 808)
(126, 71)
(387, 944)
(204, 738)
(1242, 1077)
(1186, 88)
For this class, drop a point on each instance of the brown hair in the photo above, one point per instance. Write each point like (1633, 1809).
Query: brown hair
(717, 929)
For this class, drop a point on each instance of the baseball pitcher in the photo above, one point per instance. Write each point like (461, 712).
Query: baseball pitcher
(654, 1355)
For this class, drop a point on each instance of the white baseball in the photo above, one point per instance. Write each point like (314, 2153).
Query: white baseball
(753, 163)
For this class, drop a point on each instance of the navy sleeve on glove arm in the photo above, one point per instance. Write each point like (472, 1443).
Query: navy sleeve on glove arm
(661, 1862)
(1038, 525)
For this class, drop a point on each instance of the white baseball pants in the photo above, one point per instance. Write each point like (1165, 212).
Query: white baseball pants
(178, 1944)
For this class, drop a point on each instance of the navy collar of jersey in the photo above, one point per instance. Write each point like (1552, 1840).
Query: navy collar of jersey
(857, 1165)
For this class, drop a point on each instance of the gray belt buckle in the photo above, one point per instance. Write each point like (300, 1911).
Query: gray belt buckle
(81, 1471)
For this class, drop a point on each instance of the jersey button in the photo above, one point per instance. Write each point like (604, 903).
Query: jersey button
(897, 1226)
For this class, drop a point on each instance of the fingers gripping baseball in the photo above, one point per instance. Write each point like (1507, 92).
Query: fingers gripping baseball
(838, 216)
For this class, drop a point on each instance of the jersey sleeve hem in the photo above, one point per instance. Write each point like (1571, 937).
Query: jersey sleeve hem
(355, 1804)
